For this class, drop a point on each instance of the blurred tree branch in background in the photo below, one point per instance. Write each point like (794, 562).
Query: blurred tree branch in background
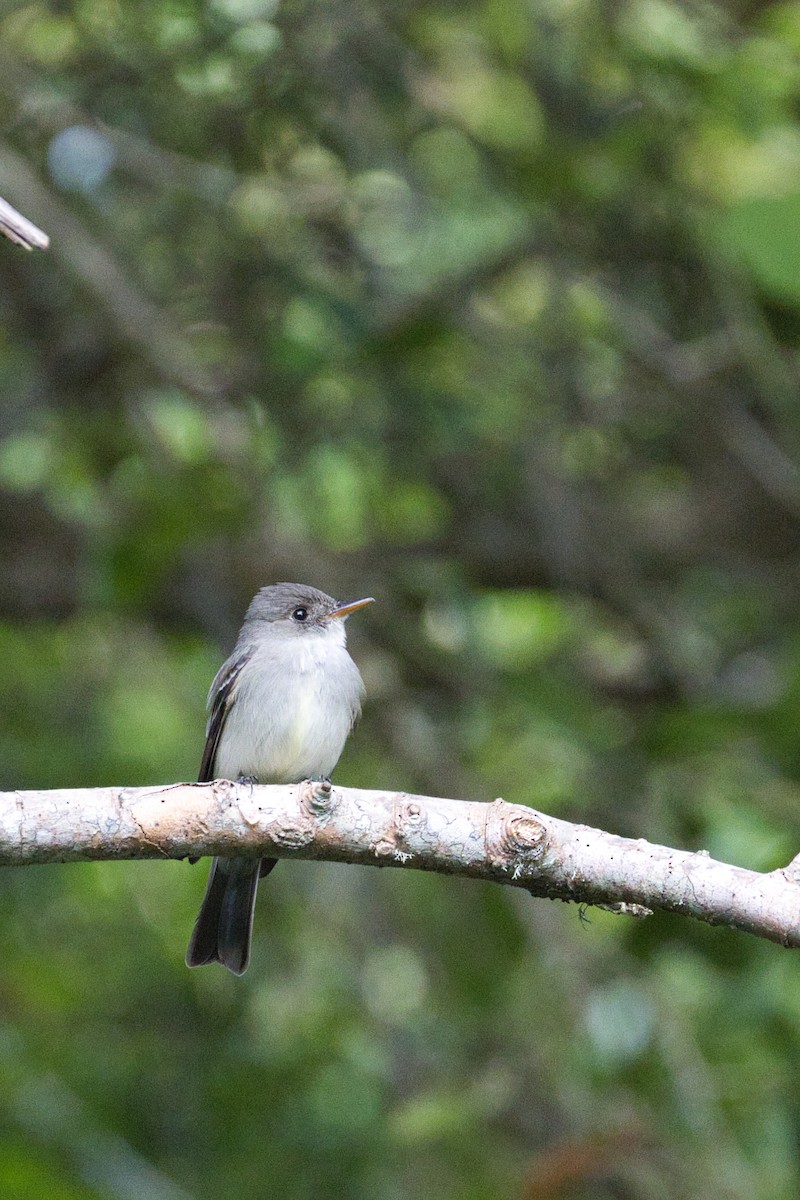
(498, 842)
(20, 230)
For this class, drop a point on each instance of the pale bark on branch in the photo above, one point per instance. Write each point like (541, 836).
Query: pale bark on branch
(499, 842)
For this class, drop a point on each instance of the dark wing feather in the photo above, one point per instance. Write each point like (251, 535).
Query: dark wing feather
(221, 702)
(224, 924)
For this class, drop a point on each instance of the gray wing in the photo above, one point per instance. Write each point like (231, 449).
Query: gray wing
(221, 698)
(223, 928)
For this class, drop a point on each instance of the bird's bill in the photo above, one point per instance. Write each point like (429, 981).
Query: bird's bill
(344, 610)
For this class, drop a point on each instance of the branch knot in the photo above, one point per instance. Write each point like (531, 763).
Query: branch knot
(317, 797)
(514, 836)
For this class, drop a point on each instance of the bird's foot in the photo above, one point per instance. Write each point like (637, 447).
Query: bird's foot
(247, 781)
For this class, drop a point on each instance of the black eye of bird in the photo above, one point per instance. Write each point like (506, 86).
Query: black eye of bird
(300, 614)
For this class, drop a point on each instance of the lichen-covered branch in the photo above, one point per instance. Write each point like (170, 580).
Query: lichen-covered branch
(504, 843)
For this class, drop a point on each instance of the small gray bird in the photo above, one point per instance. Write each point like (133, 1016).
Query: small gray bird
(281, 709)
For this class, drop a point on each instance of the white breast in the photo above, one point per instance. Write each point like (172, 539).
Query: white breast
(294, 705)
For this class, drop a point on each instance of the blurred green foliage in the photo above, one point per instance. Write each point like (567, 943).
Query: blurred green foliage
(491, 311)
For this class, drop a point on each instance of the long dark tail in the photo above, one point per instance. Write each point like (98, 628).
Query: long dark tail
(224, 924)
